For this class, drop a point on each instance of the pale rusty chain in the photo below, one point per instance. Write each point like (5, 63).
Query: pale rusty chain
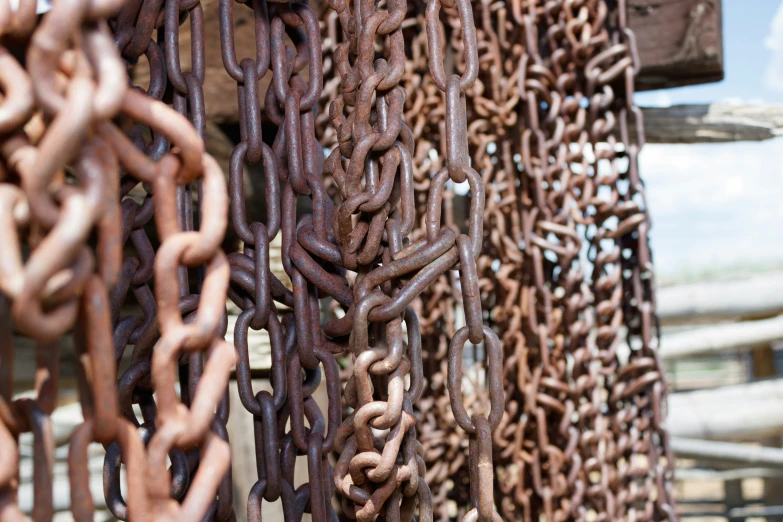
(546, 464)
(63, 160)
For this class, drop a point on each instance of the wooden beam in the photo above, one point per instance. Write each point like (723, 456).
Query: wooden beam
(716, 453)
(749, 298)
(712, 123)
(722, 338)
(680, 42)
(742, 412)
(710, 475)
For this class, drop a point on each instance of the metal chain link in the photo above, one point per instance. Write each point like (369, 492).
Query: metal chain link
(66, 166)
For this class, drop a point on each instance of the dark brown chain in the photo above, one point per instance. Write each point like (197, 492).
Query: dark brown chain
(292, 167)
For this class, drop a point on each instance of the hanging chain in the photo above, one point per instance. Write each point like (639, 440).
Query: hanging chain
(67, 165)
(112, 217)
(379, 470)
(295, 161)
(565, 267)
(177, 343)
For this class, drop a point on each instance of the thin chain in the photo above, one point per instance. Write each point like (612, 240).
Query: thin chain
(379, 470)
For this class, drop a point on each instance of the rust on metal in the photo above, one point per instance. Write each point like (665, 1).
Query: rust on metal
(464, 240)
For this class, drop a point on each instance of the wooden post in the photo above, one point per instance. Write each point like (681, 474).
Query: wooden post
(763, 363)
(764, 368)
(733, 494)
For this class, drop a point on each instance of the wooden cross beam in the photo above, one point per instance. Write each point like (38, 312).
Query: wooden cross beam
(680, 42)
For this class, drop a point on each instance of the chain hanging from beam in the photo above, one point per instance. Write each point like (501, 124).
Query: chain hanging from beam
(112, 218)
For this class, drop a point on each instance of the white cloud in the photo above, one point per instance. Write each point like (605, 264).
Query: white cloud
(736, 100)
(774, 42)
(653, 99)
(714, 204)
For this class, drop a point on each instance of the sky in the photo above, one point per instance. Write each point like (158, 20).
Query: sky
(717, 208)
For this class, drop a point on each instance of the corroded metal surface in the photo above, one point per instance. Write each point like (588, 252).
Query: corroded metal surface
(470, 361)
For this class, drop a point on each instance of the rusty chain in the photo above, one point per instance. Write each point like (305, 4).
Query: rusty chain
(566, 266)
(112, 217)
(67, 163)
(293, 167)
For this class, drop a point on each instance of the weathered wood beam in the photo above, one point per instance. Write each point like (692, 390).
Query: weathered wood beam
(702, 474)
(722, 338)
(712, 123)
(680, 42)
(721, 453)
(756, 297)
(742, 412)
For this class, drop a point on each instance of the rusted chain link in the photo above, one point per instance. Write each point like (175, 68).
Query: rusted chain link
(293, 167)
(379, 469)
(186, 318)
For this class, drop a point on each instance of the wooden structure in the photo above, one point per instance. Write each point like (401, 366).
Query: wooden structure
(680, 41)
(728, 434)
(713, 123)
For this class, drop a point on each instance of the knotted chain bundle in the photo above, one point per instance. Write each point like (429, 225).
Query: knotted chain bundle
(473, 185)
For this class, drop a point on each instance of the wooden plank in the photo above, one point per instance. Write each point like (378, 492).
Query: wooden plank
(722, 338)
(714, 453)
(712, 123)
(680, 42)
(709, 475)
(760, 296)
(741, 412)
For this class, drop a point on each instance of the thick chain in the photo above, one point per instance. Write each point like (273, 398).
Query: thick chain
(293, 168)
(185, 319)
(64, 161)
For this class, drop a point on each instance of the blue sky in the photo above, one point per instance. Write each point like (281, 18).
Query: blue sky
(717, 207)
